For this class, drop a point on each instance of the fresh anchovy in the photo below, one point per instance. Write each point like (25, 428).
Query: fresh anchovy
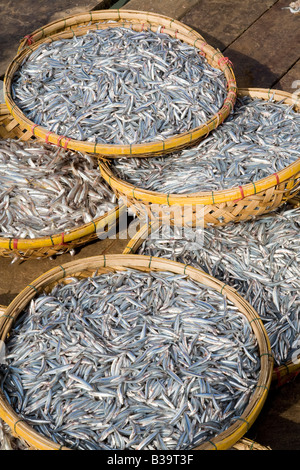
(45, 190)
(118, 86)
(259, 258)
(131, 360)
(258, 138)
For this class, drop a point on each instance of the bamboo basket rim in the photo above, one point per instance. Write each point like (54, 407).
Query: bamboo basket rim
(109, 151)
(211, 197)
(104, 15)
(280, 373)
(61, 238)
(106, 263)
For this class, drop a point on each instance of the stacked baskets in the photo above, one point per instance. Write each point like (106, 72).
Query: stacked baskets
(234, 205)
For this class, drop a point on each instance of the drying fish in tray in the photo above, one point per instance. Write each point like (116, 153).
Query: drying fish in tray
(259, 258)
(118, 86)
(131, 360)
(258, 139)
(45, 190)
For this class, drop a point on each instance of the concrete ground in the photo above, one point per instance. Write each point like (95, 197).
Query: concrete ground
(261, 38)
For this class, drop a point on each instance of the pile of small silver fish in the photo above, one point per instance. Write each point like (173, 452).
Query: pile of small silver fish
(118, 86)
(130, 360)
(258, 138)
(45, 190)
(259, 258)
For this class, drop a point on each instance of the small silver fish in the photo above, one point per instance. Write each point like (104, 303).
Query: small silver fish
(46, 190)
(259, 258)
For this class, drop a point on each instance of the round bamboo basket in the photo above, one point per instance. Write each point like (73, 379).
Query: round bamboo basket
(219, 207)
(20, 444)
(86, 267)
(137, 21)
(88, 18)
(281, 374)
(44, 247)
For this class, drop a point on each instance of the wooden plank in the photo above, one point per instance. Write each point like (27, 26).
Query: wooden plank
(264, 53)
(14, 277)
(117, 247)
(220, 23)
(16, 21)
(171, 8)
(291, 80)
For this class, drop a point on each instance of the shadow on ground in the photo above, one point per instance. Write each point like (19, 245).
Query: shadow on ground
(278, 425)
(248, 71)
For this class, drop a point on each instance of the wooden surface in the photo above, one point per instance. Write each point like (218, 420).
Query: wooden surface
(262, 41)
(236, 19)
(272, 43)
(173, 8)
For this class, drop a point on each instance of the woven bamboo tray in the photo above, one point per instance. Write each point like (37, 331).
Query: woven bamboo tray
(99, 16)
(19, 444)
(86, 267)
(219, 207)
(281, 374)
(135, 20)
(45, 247)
